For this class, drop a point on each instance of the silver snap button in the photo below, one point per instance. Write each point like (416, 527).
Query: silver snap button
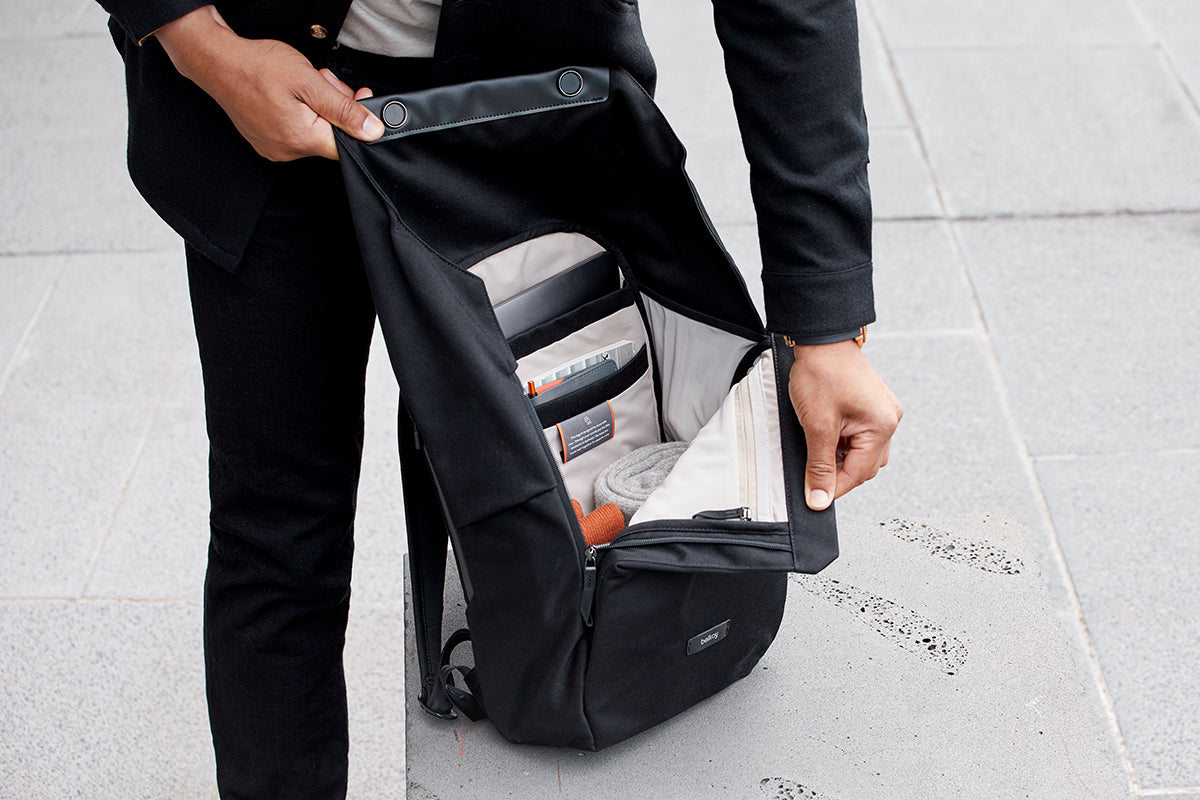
(570, 83)
(395, 114)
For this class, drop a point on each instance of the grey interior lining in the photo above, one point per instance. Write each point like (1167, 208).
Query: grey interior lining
(697, 363)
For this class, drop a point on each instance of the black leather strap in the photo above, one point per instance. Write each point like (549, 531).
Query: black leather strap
(481, 101)
(465, 701)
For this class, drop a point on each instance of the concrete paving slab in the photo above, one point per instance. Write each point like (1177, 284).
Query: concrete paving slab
(881, 95)
(1129, 533)
(954, 452)
(92, 20)
(374, 659)
(62, 470)
(187, 383)
(692, 90)
(382, 389)
(74, 195)
(25, 19)
(850, 702)
(104, 701)
(25, 281)
(380, 540)
(1177, 26)
(920, 282)
(901, 183)
(158, 545)
(113, 332)
(186, 386)
(1054, 130)
(1007, 23)
(58, 92)
(1076, 310)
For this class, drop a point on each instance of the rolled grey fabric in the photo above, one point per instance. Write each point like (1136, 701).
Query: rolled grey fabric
(630, 479)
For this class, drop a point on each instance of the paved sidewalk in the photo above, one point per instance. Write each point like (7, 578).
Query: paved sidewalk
(1036, 173)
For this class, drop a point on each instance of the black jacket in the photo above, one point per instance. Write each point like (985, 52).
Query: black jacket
(793, 66)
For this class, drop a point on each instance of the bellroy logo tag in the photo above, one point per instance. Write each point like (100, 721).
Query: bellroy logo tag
(708, 638)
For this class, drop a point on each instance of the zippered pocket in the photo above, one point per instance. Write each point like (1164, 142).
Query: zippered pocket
(681, 611)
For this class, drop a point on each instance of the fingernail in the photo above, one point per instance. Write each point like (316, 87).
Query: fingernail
(818, 499)
(372, 126)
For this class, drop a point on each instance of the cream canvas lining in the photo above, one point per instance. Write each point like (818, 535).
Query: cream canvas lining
(734, 461)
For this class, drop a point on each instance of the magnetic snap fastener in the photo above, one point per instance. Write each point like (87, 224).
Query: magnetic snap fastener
(570, 83)
(395, 114)
(318, 31)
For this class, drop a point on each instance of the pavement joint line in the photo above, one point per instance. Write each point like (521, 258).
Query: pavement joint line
(939, 333)
(1171, 451)
(112, 517)
(33, 320)
(42, 38)
(80, 12)
(912, 218)
(1165, 50)
(85, 253)
(1148, 29)
(98, 404)
(1169, 61)
(1075, 215)
(1060, 564)
(1026, 46)
(1037, 216)
(1080, 631)
(906, 103)
(1100, 683)
(97, 601)
(1167, 792)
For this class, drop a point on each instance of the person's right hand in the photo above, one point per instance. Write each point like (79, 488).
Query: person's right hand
(282, 105)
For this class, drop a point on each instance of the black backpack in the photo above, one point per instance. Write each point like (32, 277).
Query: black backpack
(553, 296)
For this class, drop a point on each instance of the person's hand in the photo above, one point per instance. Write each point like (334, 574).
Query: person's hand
(284, 107)
(848, 415)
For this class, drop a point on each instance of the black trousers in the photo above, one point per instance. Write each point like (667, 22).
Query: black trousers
(283, 346)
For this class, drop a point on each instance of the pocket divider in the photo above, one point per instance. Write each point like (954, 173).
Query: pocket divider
(595, 393)
(562, 326)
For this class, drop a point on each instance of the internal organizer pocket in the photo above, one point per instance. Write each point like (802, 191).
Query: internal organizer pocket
(593, 391)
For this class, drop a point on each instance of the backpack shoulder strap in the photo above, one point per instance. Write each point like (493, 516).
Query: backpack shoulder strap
(427, 540)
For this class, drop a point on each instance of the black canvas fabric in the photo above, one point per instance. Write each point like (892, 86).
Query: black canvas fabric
(573, 646)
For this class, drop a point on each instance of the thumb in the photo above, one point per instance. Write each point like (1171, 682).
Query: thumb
(820, 474)
(341, 110)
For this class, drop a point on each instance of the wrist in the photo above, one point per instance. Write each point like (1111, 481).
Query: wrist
(188, 39)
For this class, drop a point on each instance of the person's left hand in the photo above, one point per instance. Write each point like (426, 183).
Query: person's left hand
(848, 415)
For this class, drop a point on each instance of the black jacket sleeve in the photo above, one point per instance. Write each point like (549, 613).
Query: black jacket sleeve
(141, 18)
(793, 66)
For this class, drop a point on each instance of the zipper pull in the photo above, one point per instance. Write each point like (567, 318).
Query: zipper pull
(744, 514)
(589, 586)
